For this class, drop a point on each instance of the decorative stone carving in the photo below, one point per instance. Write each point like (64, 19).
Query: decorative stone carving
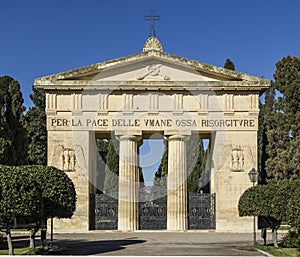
(239, 157)
(237, 160)
(152, 43)
(68, 159)
(154, 73)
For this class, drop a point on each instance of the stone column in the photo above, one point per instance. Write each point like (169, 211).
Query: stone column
(128, 215)
(177, 184)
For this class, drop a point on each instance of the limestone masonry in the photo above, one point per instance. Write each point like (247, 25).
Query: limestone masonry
(154, 92)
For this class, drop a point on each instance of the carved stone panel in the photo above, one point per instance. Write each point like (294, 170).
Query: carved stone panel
(68, 159)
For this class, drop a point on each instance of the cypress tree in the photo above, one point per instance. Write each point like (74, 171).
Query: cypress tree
(283, 125)
(13, 135)
(111, 182)
(160, 177)
(102, 145)
(229, 65)
(37, 131)
(265, 109)
(196, 160)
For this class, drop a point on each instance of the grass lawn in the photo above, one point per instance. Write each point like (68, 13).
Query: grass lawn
(37, 251)
(279, 251)
(23, 251)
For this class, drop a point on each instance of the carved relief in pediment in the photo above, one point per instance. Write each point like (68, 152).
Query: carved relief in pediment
(154, 72)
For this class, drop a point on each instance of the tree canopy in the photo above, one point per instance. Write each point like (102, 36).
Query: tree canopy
(282, 122)
(34, 193)
(58, 190)
(196, 158)
(111, 182)
(36, 129)
(13, 136)
(229, 65)
(277, 201)
(19, 197)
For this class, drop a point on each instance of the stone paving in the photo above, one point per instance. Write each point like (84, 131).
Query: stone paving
(158, 243)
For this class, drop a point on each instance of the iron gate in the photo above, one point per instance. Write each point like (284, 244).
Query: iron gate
(202, 211)
(153, 208)
(106, 212)
(153, 214)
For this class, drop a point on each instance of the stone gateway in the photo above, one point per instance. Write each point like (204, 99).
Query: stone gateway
(154, 92)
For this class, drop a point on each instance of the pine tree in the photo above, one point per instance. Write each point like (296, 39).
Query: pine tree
(229, 65)
(37, 131)
(13, 135)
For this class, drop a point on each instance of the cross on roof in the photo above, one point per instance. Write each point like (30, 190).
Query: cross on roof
(152, 18)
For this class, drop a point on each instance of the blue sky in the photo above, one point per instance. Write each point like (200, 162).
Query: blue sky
(42, 37)
(49, 36)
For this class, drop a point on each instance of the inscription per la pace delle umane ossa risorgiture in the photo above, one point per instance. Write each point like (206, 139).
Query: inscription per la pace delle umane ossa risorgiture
(209, 123)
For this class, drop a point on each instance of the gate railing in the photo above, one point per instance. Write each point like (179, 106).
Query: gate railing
(202, 211)
(153, 212)
(106, 212)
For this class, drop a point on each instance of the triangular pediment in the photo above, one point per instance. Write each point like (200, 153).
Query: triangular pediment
(148, 69)
(150, 66)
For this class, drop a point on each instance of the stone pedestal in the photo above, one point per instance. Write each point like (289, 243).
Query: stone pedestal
(128, 218)
(177, 184)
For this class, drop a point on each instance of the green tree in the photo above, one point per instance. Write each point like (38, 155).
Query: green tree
(269, 201)
(13, 134)
(57, 188)
(196, 160)
(265, 109)
(293, 210)
(20, 196)
(34, 193)
(6, 148)
(229, 65)
(283, 125)
(58, 192)
(160, 177)
(102, 147)
(111, 181)
(36, 128)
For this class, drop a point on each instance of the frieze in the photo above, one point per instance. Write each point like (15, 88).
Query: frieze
(151, 122)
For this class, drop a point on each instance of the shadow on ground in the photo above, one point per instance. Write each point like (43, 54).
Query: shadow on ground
(83, 247)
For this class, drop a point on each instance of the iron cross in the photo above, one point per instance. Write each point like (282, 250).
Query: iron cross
(152, 18)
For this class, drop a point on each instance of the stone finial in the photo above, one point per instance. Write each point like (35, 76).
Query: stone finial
(152, 43)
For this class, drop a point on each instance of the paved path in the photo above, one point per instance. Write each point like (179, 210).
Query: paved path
(158, 243)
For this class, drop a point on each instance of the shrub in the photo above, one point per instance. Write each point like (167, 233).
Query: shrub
(291, 240)
(3, 243)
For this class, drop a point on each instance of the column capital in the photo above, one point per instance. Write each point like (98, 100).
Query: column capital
(129, 137)
(177, 137)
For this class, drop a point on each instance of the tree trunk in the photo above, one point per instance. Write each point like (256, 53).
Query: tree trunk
(274, 236)
(9, 242)
(32, 237)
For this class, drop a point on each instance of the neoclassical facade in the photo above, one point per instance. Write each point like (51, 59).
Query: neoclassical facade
(154, 92)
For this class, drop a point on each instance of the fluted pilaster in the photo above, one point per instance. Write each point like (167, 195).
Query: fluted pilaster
(177, 184)
(128, 218)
